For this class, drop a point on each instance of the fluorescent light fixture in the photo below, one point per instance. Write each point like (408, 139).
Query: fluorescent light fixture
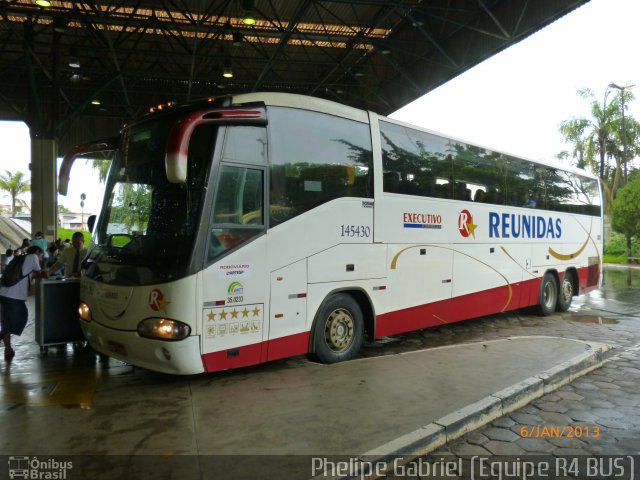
(248, 18)
(227, 72)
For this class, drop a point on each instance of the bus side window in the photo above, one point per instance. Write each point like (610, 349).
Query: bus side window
(315, 158)
(238, 209)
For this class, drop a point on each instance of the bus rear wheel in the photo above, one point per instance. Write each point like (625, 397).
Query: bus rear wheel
(548, 296)
(339, 330)
(565, 293)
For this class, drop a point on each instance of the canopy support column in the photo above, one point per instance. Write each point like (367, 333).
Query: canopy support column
(43, 187)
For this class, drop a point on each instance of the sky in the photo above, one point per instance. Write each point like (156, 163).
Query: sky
(513, 102)
(516, 100)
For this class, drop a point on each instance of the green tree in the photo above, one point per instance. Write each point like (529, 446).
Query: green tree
(102, 165)
(132, 207)
(626, 211)
(15, 184)
(597, 141)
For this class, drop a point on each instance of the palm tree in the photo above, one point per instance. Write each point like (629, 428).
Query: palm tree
(102, 165)
(597, 140)
(15, 184)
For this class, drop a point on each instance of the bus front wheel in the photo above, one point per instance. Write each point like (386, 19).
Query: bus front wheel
(339, 330)
(548, 297)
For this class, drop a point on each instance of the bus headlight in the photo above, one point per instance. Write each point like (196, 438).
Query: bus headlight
(84, 312)
(163, 329)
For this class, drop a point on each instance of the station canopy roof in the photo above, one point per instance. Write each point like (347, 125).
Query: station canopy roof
(135, 54)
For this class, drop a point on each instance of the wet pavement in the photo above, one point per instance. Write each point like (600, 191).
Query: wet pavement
(598, 414)
(70, 402)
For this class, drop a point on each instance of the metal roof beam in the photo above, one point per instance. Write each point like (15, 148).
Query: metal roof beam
(494, 18)
(302, 7)
(428, 36)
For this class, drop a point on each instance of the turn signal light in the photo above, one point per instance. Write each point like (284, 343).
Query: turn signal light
(84, 312)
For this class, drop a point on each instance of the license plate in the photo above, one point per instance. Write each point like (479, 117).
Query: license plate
(116, 348)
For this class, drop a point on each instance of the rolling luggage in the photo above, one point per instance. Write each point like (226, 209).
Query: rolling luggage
(57, 320)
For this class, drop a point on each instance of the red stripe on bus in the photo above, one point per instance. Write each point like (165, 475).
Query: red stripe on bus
(474, 305)
(448, 311)
(297, 344)
(256, 353)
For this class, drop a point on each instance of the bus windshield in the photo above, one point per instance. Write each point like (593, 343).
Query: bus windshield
(147, 227)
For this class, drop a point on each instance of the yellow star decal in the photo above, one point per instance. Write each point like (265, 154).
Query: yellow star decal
(472, 228)
(211, 316)
(245, 313)
(256, 312)
(162, 304)
(234, 314)
(223, 315)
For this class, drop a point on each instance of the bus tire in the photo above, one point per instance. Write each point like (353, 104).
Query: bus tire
(548, 296)
(565, 292)
(339, 329)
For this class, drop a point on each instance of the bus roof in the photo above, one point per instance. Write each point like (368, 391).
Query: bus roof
(306, 102)
(303, 102)
(333, 108)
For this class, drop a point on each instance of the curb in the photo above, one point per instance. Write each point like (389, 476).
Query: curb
(454, 425)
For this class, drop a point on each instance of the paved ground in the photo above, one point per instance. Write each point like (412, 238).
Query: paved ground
(597, 414)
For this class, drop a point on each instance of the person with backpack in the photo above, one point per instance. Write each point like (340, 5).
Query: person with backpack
(14, 288)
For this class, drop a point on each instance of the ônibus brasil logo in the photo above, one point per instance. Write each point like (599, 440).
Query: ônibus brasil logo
(466, 226)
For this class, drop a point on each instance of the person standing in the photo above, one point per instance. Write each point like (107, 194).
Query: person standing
(8, 256)
(24, 246)
(71, 257)
(13, 299)
(40, 241)
(53, 257)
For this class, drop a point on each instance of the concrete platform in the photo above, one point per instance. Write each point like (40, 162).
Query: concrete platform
(69, 403)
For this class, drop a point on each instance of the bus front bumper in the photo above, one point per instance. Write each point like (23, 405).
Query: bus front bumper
(179, 358)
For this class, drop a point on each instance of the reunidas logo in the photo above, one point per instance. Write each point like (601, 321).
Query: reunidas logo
(466, 226)
(33, 468)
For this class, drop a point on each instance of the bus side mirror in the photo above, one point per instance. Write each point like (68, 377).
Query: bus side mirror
(176, 153)
(91, 221)
(175, 160)
(106, 145)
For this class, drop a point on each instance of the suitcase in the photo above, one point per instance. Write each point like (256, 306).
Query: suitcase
(57, 320)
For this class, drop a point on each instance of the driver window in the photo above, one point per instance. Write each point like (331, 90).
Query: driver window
(238, 210)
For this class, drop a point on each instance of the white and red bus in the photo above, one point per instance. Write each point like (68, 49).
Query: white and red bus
(261, 226)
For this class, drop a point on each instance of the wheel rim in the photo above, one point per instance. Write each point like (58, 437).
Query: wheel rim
(549, 295)
(340, 330)
(567, 290)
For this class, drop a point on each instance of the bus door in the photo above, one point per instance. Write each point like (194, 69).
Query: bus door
(235, 285)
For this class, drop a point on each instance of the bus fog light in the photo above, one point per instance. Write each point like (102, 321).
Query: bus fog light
(166, 353)
(163, 329)
(84, 312)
